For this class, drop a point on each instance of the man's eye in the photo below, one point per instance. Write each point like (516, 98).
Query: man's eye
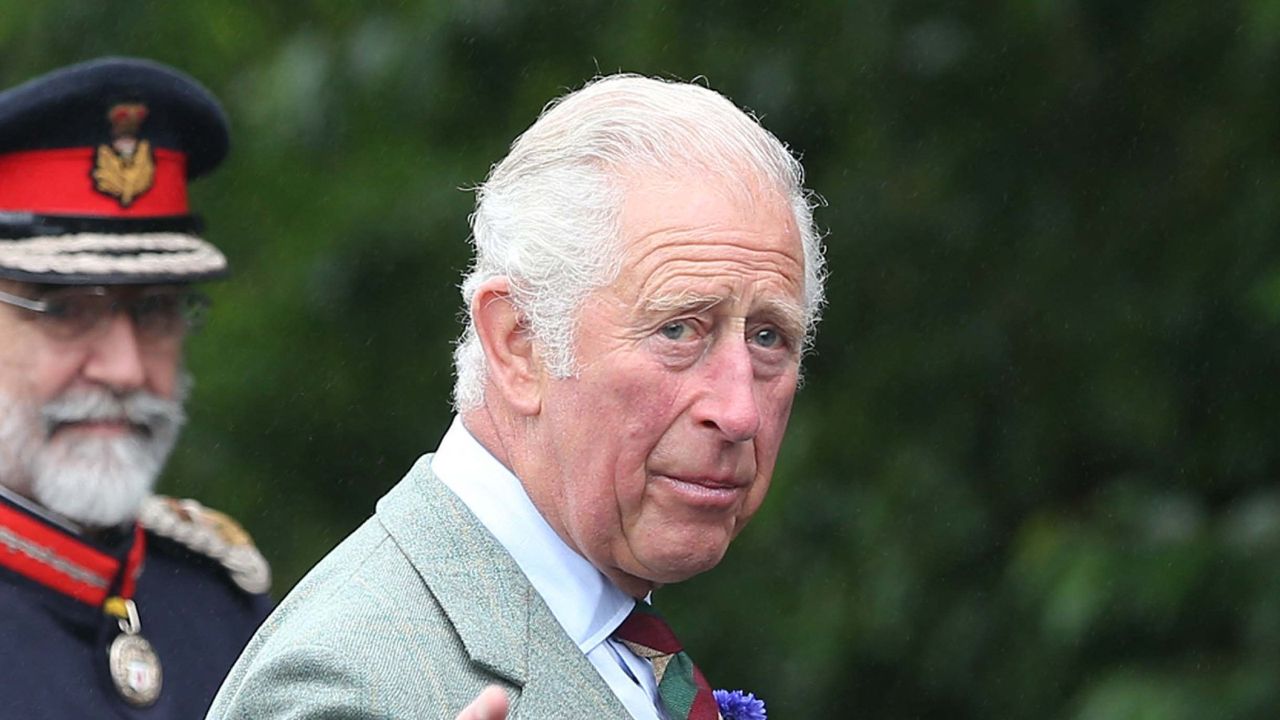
(55, 308)
(66, 309)
(767, 338)
(678, 330)
(153, 306)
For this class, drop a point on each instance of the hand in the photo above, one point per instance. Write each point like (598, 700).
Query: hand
(488, 705)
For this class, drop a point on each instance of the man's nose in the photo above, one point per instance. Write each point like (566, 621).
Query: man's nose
(115, 356)
(729, 402)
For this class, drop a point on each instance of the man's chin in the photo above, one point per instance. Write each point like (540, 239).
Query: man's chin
(95, 481)
(671, 568)
(115, 505)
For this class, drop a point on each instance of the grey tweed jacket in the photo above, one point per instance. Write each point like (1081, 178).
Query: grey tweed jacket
(411, 617)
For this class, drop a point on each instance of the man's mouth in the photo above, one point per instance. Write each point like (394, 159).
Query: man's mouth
(109, 427)
(706, 491)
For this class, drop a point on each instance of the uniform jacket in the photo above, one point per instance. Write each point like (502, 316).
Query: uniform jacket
(411, 617)
(53, 648)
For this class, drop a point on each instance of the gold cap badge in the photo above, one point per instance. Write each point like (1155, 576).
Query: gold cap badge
(125, 169)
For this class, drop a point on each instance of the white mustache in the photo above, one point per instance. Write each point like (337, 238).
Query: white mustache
(142, 409)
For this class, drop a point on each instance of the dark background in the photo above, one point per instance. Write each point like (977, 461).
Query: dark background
(1031, 474)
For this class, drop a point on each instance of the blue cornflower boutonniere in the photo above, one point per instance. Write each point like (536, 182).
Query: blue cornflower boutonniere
(737, 705)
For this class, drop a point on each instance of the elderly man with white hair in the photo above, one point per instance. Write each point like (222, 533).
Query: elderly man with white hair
(646, 279)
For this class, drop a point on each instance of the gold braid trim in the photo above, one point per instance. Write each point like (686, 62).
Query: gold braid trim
(211, 533)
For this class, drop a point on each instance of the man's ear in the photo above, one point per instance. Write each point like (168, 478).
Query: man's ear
(515, 372)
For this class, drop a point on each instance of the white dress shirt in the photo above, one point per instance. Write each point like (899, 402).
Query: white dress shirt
(588, 606)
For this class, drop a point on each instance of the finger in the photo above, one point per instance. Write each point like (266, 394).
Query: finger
(488, 705)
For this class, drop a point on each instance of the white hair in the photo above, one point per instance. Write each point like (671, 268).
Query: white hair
(547, 216)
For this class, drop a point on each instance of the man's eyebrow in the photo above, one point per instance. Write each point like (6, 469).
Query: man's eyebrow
(683, 302)
(786, 314)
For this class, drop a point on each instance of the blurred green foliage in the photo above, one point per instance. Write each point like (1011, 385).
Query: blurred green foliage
(1032, 473)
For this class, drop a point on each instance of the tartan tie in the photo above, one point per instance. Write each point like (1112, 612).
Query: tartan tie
(684, 692)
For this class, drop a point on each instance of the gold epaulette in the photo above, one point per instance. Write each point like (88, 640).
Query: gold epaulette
(208, 532)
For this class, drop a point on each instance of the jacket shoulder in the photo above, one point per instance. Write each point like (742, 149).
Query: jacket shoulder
(335, 646)
(210, 533)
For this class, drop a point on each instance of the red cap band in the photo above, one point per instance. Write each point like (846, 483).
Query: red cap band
(60, 182)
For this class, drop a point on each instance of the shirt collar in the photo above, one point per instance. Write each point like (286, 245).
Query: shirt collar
(588, 606)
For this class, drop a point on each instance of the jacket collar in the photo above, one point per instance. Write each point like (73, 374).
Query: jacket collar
(36, 547)
(502, 621)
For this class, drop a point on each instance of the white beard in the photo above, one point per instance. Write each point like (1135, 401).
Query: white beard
(93, 480)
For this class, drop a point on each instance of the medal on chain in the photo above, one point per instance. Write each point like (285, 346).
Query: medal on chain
(134, 664)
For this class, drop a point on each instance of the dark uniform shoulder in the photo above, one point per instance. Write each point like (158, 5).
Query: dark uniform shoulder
(207, 532)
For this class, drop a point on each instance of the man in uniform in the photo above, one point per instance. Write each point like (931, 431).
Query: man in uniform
(646, 278)
(114, 603)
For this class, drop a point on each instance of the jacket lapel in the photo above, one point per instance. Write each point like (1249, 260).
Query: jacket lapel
(502, 621)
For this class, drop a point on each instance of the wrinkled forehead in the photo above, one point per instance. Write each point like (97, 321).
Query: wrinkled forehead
(694, 197)
(696, 233)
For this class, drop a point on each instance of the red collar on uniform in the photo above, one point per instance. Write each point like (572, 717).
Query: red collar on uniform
(63, 562)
